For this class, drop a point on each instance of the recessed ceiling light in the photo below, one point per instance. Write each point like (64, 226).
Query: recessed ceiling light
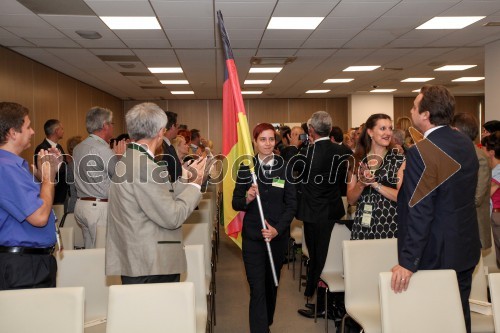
(469, 79)
(174, 81)
(382, 90)
(188, 92)
(131, 22)
(295, 23)
(450, 22)
(454, 67)
(418, 79)
(338, 80)
(251, 92)
(257, 81)
(265, 69)
(165, 69)
(317, 91)
(416, 90)
(360, 68)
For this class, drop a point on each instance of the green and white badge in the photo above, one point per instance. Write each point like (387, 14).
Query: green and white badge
(278, 182)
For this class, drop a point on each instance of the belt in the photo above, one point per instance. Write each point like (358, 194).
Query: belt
(26, 250)
(93, 199)
(496, 210)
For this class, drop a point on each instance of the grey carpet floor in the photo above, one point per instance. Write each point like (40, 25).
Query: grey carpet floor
(232, 297)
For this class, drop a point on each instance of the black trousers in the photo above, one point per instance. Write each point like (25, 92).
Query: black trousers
(26, 271)
(150, 279)
(260, 279)
(464, 285)
(317, 236)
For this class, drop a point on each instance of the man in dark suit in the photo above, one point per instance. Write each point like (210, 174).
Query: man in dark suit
(337, 137)
(321, 202)
(437, 223)
(174, 166)
(54, 132)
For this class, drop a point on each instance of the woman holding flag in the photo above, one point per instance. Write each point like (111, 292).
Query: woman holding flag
(278, 197)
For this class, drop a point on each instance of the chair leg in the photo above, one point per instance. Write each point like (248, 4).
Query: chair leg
(300, 271)
(326, 309)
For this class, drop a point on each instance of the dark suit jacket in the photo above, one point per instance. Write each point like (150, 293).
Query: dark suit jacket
(62, 188)
(320, 199)
(174, 165)
(440, 231)
(345, 152)
(279, 204)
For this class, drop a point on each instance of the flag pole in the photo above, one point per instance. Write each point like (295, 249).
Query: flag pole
(238, 101)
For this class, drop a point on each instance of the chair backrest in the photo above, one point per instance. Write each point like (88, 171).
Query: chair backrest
(479, 288)
(152, 308)
(199, 234)
(334, 260)
(86, 268)
(363, 261)
(100, 237)
(67, 238)
(490, 258)
(346, 205)
(431, 304)
(195, 273)
(494, 281)
(48, 310)
(70, 221)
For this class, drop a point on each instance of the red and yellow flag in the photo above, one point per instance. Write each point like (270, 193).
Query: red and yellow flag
(236, 142)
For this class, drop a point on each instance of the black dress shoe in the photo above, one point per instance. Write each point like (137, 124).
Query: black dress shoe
(310, 314)
(310, 306)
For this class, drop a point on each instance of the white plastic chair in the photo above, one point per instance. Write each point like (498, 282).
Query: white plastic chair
(70, 221)
(333, 271)
(480, 323)
(196, 274)
(494, 281)
(152, 308)
(86, 268)
(58, 211)
(47, 310)
(431, 304)
(363, 261)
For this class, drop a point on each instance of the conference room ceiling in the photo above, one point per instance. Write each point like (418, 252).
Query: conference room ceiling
(364, 32)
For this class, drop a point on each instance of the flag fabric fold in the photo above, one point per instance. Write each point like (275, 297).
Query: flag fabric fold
(236, 139)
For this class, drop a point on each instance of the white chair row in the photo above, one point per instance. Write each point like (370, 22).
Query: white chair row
(364, 261)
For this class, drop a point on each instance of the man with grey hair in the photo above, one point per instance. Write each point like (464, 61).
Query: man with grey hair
(144, 238)
(54, 132)
(94, 166)
(321, 202)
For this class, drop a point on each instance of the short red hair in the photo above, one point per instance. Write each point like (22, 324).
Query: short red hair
(261, 128)
(186, 134)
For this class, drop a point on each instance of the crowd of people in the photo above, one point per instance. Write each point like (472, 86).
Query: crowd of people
(143, 185)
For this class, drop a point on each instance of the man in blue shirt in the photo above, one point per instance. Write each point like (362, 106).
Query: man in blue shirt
(27, 224)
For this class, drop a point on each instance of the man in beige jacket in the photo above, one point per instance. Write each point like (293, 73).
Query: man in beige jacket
(144, 236)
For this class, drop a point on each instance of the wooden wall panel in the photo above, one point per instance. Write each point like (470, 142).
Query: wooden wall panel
(50, 94)
(338, 109)
(193, 113)
(215, 125)
(300, 110)
(67, 107)
(46, 98)
(267, 111)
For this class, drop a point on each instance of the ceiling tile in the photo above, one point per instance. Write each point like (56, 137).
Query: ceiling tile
(181, 23)
(245, 9)
(121, 8)
(183, 8)
(35, 32)
(329, 43)
(276, 52)
(473, 8)
(147, 43)
(232, 23)
(297, 9)
(187, 35)
(157, 58)
(24, 21)
(53, 42)
(361, 9)
(72, 22)
(193, 44)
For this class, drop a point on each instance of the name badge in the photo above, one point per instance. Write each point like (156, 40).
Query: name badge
(366, 219)
(279, 183)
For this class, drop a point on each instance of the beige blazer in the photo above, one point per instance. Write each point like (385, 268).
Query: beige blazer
(482, 199)
(144, 235)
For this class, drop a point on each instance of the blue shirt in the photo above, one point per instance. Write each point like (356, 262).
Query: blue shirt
(19, 198)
